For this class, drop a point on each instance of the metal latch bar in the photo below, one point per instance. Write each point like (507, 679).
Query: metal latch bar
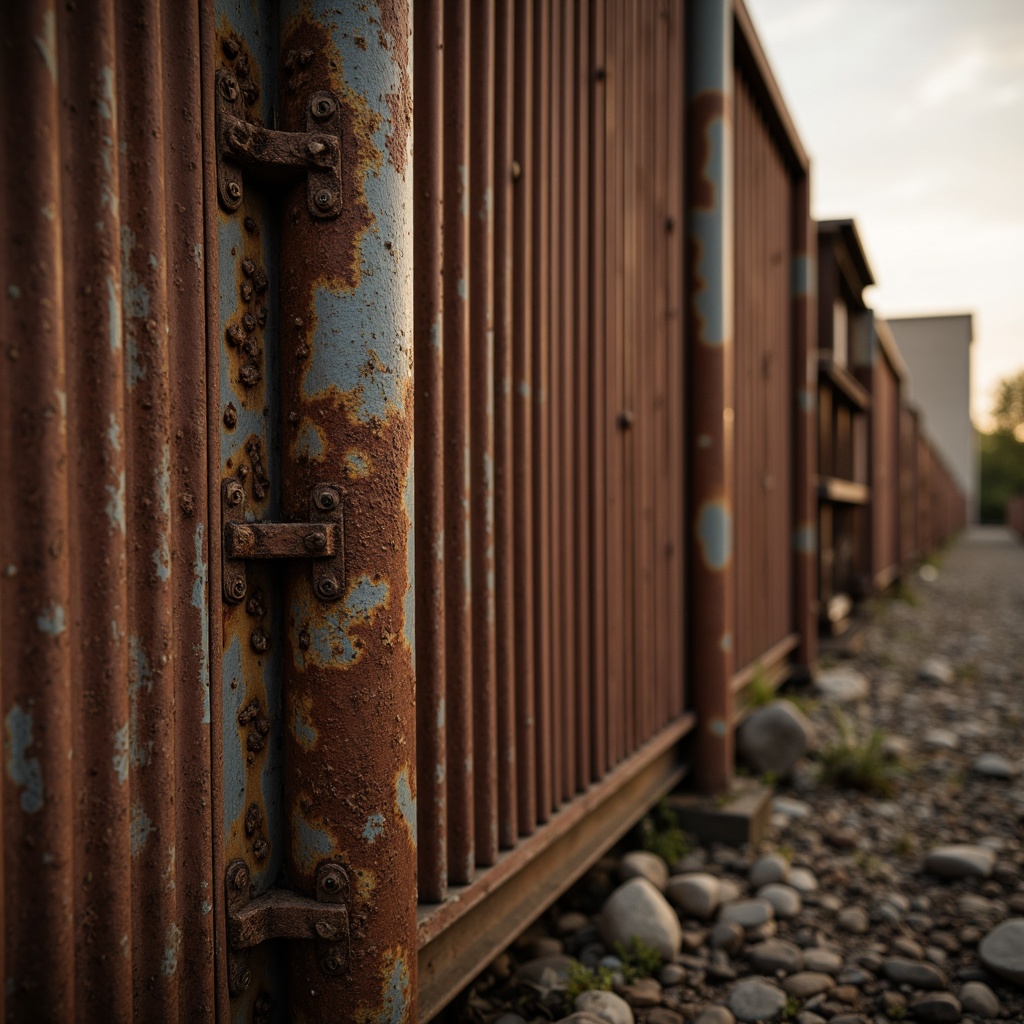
(272, 155)
(280, 914)
(321, 540)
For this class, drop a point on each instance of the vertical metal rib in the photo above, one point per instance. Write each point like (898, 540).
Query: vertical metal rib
(458, 570)
(506, 652)
(481, 423)
(428, 210)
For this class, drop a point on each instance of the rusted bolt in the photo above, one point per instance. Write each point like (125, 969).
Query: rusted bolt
(304, 639)
(240, 135)
(316, 148)
(327, 498)
(249, 322)
(324, 198)
(234, 190)
(248, 267)
(230, 417)
(261, 315)
(316, 540)
(260, 641)
(246, 290)
(302, 351)
(327, 588)
(332, 964)
(243, 472)
(325, 929)
(240, 878)
(331, 883)
(230, 47)
(235, 334)
(260, 848)
(323, 107)
(625, 420)
(229, 87)
(259, 279)
(250, 224)
(249, 375)
(236, 588)
(234, 494)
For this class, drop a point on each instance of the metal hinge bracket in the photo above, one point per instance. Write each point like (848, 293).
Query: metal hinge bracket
(322, 540)
(279, 914)
(276, 156)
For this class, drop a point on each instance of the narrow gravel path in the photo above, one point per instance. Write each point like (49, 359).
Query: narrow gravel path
(860, 907)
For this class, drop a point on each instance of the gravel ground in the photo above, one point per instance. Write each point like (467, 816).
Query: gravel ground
(858, 907)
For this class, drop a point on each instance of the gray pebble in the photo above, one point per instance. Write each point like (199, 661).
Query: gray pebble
(776, 955)
(771, 868)
(1002, 950)
(747, 913)
(785, 900)
(606, 1006)
(978, 999)
(937, 1008)
(715, 1015)
(913, 972)
(960, 860)
(754, 1000)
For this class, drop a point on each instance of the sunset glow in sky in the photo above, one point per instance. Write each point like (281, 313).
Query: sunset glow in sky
(912, 112)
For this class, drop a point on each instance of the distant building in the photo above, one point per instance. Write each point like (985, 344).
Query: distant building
(937, 351)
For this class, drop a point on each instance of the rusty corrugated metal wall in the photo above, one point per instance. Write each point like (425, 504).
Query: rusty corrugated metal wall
(108, 884)
(549, 404)
(770, 378)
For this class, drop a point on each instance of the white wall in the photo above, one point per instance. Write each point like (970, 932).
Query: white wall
(937, 351)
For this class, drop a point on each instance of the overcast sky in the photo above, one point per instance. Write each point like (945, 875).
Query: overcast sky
(912, 112)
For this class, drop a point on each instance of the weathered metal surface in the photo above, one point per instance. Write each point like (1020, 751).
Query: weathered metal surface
(431, 749)
(710, 308)
(103, 602)
(346, 349)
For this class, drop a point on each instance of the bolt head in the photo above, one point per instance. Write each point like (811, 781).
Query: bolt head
(241, 878)
(237, 588)
(328, 499)
(234, 493)
(323, 107)
(234, 190)
(315, 540)
(324, 198)
(332, 964)
(316, 148)
(327, 588)
(229, 87)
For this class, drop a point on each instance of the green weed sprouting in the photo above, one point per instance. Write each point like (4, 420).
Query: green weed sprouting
(583, 979)
(853, 764)
(639, 959)
(660, 833)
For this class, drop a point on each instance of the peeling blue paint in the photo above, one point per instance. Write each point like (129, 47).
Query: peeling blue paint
(356, 464)
(140, 679)
(718, 728)
(725, 643)
(804, 276)
(170, 961)
(200, 579)
(330, 642)
(440, 713)
(714, 530)
(359, 347)
(303, 730)
(805, 539)
(374, 827)
(105, 101)
(462, 289)
(122, 753)
(14, 291)
(51, 620)
(807, 400)
(114, 325)
(114, 433)
(523, 389)
(396, 994)
(406, 802)
(162, 559)
(365, 598)
(139, 828)
(436, 333)
(704, 441)
(24, 772)
(311, 844)
(309, 444)
(709, 228)
(115, 502)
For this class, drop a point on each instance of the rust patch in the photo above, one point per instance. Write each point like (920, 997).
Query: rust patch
(707, 110)
(394, 21)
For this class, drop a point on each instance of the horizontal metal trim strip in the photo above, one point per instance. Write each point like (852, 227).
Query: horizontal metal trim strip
(770, 662)
(845, 383)
(460, 936)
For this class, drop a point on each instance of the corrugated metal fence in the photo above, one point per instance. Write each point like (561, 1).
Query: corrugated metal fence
(104, 664)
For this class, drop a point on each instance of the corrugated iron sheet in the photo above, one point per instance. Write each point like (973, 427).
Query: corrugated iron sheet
(108, 884)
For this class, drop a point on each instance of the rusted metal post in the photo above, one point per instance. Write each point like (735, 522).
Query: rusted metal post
(805, 539)
(709, 75)
(346, 309)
